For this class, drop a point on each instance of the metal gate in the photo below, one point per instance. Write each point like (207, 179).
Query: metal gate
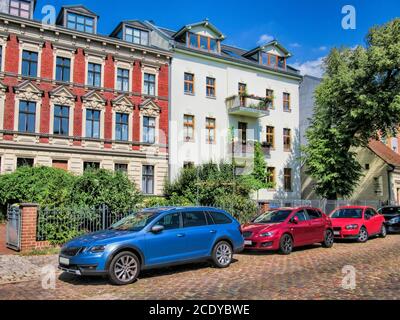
(13, 230)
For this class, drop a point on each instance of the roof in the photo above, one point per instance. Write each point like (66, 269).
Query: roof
(384, 152)
(80, 8)
(271, 43)
(205, 23)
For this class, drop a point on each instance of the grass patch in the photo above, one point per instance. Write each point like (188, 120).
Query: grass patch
(42, 252)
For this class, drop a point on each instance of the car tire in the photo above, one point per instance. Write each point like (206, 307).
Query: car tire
(286, 244)
(329, 239)
(363, 235)
(383, 233)
(222, 254)
(124, 268)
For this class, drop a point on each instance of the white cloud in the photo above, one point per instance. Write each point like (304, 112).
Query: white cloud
(312, 68)
(265, 38)
(295, 45)
(323, 48)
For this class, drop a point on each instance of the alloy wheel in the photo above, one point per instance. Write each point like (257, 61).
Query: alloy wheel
(383, 231)
(125, 268)
(329, 238)
(363, 236)
(224, 254)
(287, 244)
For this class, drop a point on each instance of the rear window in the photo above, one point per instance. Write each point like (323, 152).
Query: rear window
(194, 219)
(220, 218)
(314, 214)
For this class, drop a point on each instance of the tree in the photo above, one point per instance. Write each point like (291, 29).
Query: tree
(358, 100)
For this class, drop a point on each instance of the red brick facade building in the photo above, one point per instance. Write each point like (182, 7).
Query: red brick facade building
(73, 99)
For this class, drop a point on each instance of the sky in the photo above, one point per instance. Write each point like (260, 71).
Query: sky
(307, 28)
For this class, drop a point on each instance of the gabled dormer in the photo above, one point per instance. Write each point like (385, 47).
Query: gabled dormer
(78, 18)
(272, 55)
(201, 36)
(133, 31)
(19, 8)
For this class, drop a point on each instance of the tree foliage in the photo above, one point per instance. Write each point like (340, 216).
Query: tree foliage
(358, 100)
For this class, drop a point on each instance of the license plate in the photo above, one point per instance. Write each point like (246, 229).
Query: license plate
(336, 233)
(248, 243)
(64, 261)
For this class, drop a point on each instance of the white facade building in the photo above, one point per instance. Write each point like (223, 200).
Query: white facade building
(211, 98)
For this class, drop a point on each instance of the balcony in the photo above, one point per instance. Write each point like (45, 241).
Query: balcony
(247, 106)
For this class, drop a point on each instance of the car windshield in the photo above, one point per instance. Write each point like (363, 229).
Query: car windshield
(347, 213)
(277, 216)
(135, 222)
(390, 211)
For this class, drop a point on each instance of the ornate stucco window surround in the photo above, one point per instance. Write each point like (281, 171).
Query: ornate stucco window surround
(93, 100)
(122, 104)
(62, 96)
(149, 108)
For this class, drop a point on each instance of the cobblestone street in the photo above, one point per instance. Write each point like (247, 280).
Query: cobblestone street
(309, 273)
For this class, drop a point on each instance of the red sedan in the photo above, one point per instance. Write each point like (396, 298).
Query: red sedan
(358, 223)
(287, 228)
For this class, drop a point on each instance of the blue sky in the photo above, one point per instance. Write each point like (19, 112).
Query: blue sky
(308, 28)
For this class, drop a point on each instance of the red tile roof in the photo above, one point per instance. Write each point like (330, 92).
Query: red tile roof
(384, 152)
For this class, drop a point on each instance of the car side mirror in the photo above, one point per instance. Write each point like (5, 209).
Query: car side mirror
(295, 220)
(157, 229)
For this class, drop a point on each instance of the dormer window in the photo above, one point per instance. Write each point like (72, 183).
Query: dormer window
(20, 8)
(80, 23)
(197, 41)
(273, 60)
(137, 36)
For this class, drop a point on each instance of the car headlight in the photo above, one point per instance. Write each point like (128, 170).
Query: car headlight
(352, 227)
(394, 220)
(97, 249)
(267, 234)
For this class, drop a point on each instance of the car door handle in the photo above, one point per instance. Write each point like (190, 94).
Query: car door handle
(213, 231)
(180, 235)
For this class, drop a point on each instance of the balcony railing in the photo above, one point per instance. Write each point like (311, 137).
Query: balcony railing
(248, 106)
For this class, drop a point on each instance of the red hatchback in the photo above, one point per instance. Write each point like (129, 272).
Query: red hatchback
(358, 223)
(287, 228)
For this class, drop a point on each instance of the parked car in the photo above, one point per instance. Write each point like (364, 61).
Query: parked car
(392, 218)
(286, 228)
(358, 223)
(154, 238)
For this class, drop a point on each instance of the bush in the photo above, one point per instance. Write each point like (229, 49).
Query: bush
(43, 185)
(98, 187)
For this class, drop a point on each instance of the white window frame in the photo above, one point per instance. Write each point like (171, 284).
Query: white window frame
(97, 60)
(126, 66)
(57, 52)
(150, 70)
(33, 47)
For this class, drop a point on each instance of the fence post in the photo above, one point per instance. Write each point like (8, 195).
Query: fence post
(29, 217)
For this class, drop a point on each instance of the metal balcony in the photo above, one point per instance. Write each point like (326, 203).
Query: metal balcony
(247, 106)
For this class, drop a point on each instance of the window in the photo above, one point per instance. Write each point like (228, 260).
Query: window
(170, 221)
(60, 164)
(287, 140)
(286, 102)
(63, 69)
(189, 83)
(369, 213)
(123, 79)
(93, 124)
(90, 165)
(94, 75)
(314, 214)
(188, 165)
(367, 166)
(27, 117)
(149, 130)
(148, 179)
(25, 162)
(198, 41)
(121, 167)
(270, 96)
(210, 130)
(281, 62)
(121, 126)
(20, 8)
(194, 219)
(220, 218)
(270, 137)
(80, 23)
(61, 120)
(273, 60)
(188, 127)
(287, 179)
(271, 177)
(29, 63)
(302, 216)
(137, 36)
(149, 84)
(242, 89)
(210, 87)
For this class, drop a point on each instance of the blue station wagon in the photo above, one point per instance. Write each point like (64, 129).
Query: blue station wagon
(154, 238)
